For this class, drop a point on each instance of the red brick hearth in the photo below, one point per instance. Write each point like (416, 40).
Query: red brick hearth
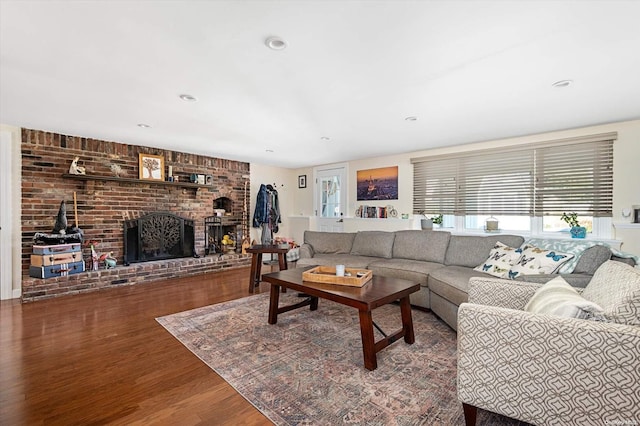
(105, 200)
(137, 273)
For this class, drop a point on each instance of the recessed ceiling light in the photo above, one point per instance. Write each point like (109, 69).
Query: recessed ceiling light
(412, 118)
(275, 43)
(144, 126)
(188, 98)
(562, 83)
(325, 138)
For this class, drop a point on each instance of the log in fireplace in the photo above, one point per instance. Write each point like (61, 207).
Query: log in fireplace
(158, 236)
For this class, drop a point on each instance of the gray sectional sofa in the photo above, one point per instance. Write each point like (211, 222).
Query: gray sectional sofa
(442, 263)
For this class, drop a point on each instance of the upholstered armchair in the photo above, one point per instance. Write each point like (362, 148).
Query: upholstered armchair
(546, 369)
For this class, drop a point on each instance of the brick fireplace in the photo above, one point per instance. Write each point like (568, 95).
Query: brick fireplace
(105, 202)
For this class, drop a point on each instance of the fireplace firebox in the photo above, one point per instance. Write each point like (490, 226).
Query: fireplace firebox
(158, 236)
(223, 234)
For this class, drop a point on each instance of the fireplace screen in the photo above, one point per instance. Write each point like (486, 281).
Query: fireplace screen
(158, 236)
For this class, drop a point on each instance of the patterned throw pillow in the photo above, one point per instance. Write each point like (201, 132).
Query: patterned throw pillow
(500, 260)
(576, 248)
(616, 287)
(535, 260)
(557, 297)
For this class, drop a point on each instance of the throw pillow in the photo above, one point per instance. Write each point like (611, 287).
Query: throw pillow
(557, 297)
(616, 287)
(535, 260)
(500, 260)
(576, 248)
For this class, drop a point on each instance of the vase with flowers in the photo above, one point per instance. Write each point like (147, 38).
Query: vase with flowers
(576, 230)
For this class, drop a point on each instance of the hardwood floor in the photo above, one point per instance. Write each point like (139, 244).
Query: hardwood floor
(101, 358)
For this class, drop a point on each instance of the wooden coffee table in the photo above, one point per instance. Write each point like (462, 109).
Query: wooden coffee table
(377, 292)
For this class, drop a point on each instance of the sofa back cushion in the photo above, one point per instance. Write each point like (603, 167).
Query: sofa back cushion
(616, 287)
(472, 250)
(591, 259)
(373, 243)
(429, 246)
(329, 242)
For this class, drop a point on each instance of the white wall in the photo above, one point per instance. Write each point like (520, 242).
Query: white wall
(626, 192)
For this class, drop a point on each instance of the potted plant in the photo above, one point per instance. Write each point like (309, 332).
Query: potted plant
(425, 223)
(437, 220)
(576, 230)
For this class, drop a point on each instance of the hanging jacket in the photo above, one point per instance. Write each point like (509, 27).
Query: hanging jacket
(261, 212)
(274, 209)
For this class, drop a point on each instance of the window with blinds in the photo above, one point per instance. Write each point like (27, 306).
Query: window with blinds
(539, 179)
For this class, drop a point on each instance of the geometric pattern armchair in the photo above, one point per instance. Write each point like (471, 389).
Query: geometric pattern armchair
(543, 369)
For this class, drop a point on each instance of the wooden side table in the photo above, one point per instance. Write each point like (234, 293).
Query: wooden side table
(256, 260)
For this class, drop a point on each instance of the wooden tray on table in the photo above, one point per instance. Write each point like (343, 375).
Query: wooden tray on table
(327, 274)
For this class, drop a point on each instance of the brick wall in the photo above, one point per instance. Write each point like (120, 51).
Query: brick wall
(103, 205)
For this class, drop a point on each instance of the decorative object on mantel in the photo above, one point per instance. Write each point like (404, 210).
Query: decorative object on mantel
(576, 230)
(151, 167)
(116, 169)
(74, 169)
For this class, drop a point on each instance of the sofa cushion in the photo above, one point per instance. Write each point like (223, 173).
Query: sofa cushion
(452, 282)
(616, 287)
(535, 260)
(407, 269)
(329, 242)
(429, 246)
(471, 250)
(373, 243)
(500, 260)
(557, 297)
(591, 259)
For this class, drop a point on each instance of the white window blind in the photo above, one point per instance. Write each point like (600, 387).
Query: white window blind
(534, 180)
(575, 177)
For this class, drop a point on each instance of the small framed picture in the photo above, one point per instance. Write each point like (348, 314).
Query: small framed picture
(302, 181)
(201, 179)
(151, 167)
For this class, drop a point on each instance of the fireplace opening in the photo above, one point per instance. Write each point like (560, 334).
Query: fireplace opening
(158, 236)
(223, 203)
(223, 234)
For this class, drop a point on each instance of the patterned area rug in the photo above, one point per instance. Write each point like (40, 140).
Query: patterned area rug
(308, 368)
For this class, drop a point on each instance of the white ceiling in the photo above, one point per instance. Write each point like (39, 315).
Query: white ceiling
(353, 71)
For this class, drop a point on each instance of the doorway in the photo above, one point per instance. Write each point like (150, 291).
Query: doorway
(6, 215)
(330, 197)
